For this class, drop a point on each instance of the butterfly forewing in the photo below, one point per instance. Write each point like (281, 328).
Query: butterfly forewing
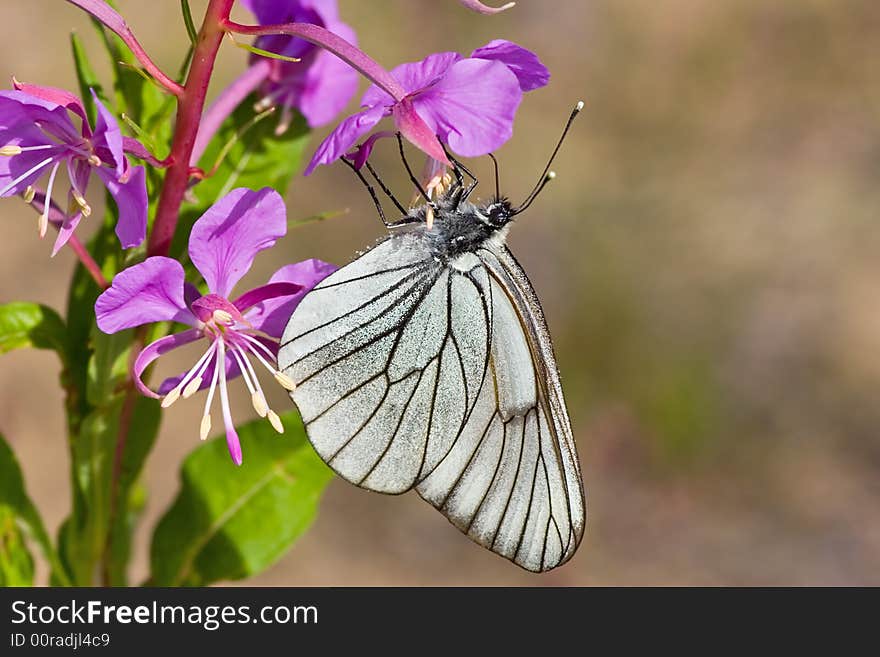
(415, 373)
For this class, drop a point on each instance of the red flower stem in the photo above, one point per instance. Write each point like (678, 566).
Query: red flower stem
(56, 218)
(189, 114)
(105, 14)
(332, 43)
(87, 261)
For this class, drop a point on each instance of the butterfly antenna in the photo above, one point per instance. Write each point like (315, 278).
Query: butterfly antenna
(369, 189)
(497, 178)
(546, 174)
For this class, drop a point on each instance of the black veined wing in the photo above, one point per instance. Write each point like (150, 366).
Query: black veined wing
(412, 372)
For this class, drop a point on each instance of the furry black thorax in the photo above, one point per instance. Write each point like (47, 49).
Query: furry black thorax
(460, 226)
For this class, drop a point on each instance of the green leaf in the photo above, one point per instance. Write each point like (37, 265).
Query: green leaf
(99, 401)
(188, 22)
(16, 562)
(15, 503)
(232, 522)
(255, 157)
(24, 324)
(85, 75)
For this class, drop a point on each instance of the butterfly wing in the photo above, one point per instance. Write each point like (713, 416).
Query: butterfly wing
(412, 373)
(388, 359)
(512, 481)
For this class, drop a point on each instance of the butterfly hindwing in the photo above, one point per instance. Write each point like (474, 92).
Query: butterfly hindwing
(512, 482)
(412, 373)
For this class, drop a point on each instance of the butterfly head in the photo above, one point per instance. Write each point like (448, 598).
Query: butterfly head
(499, 213)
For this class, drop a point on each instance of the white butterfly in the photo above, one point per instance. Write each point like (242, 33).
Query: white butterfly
(426, 363)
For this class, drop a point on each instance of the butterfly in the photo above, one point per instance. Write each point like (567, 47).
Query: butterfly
(426, 363)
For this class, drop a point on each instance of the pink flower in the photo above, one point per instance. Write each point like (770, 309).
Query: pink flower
(240, 331)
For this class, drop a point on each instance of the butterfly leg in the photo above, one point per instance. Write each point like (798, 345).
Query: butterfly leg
(457, 169)
(412, 177)
(385, 189)
(369, 189)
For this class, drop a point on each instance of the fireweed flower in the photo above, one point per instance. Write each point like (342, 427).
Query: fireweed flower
(44, 129)
(469, 103)
(239, 332)
(320, 85)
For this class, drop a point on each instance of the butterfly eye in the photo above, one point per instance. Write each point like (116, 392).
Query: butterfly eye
(499, 214)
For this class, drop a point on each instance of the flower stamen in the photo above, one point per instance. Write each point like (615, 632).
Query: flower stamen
(222, 317)
(43, 221)
(26, 174)
(275, 421)
(82, 203)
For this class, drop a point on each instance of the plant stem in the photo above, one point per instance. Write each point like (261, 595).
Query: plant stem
(332, 43)
(226, 103)
(189, 114)
(111, 18)
(88, 262)
(56, 218)
(125, 416)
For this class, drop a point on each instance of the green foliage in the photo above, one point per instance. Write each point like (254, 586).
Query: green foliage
(102, 410)
(254, 157)
(24, 324)
(18, 516)
(16, 562)
(86, 77)
(231, 522)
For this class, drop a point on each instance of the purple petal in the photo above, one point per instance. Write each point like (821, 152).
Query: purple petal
(284, 11)
(417, 131)
(151, 291)
(19, 108)
(361, 154)
(344, 137)
(472, 108)
(413, 76)
(107, 139)
(53, 97)
(268, 12)
(479, 7)
(225, 240)
(328, 83)
(269, 291)
(270, 315)
(19, 114)
(33, 163)
(131, 199)
(205, 307)
(155, 349)
(526, 66)
(232, 371)
(66, 229)
(78, 172)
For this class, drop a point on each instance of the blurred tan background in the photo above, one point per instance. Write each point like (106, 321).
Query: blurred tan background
(708, 263)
